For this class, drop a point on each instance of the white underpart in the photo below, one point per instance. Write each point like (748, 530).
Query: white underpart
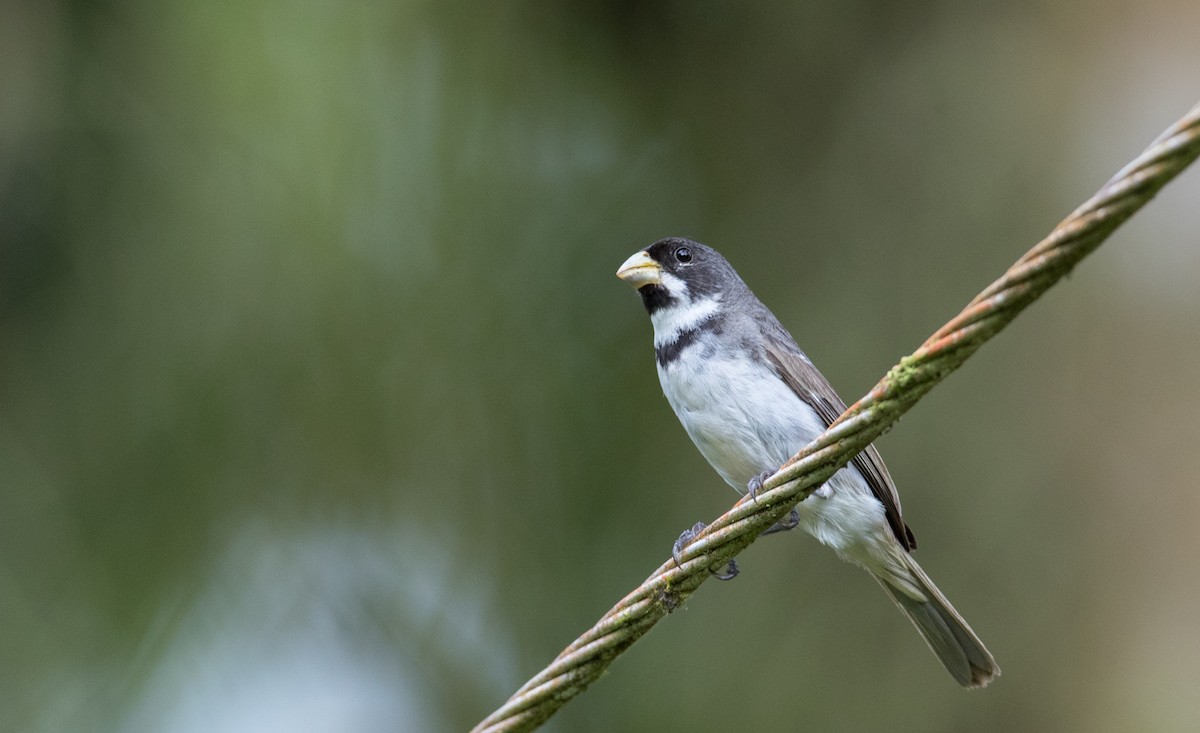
(745, 420)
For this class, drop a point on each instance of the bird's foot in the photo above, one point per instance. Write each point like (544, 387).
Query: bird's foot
(754, 485)
(792, 521)
(729, 572)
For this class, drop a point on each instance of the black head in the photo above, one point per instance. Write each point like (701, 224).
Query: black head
(675, 269)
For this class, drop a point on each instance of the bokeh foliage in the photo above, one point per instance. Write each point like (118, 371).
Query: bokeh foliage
(320, 408)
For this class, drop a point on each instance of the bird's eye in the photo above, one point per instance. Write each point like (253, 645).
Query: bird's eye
(683, 254)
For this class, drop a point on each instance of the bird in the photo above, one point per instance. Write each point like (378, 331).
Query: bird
(749, 398)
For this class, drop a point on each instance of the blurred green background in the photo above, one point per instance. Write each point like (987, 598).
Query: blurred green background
(321, 409)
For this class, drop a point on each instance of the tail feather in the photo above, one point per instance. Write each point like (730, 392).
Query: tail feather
(946, 632)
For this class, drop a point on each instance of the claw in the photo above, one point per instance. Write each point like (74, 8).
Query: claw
(731, 571)
(754, 485)
(792, 521)
(685, 539)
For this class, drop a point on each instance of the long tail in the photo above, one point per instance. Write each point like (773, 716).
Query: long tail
(948, 635)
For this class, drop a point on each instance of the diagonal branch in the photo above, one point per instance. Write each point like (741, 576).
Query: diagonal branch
(987, 314)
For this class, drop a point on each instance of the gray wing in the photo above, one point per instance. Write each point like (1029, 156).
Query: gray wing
(811, 386)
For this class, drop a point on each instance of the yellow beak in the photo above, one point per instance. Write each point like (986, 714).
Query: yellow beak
(640, 270)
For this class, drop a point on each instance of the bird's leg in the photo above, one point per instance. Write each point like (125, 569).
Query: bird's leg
(685, 539)
(731, 569)
(753, 486)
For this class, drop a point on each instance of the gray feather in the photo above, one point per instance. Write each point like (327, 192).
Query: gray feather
(944, 630)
